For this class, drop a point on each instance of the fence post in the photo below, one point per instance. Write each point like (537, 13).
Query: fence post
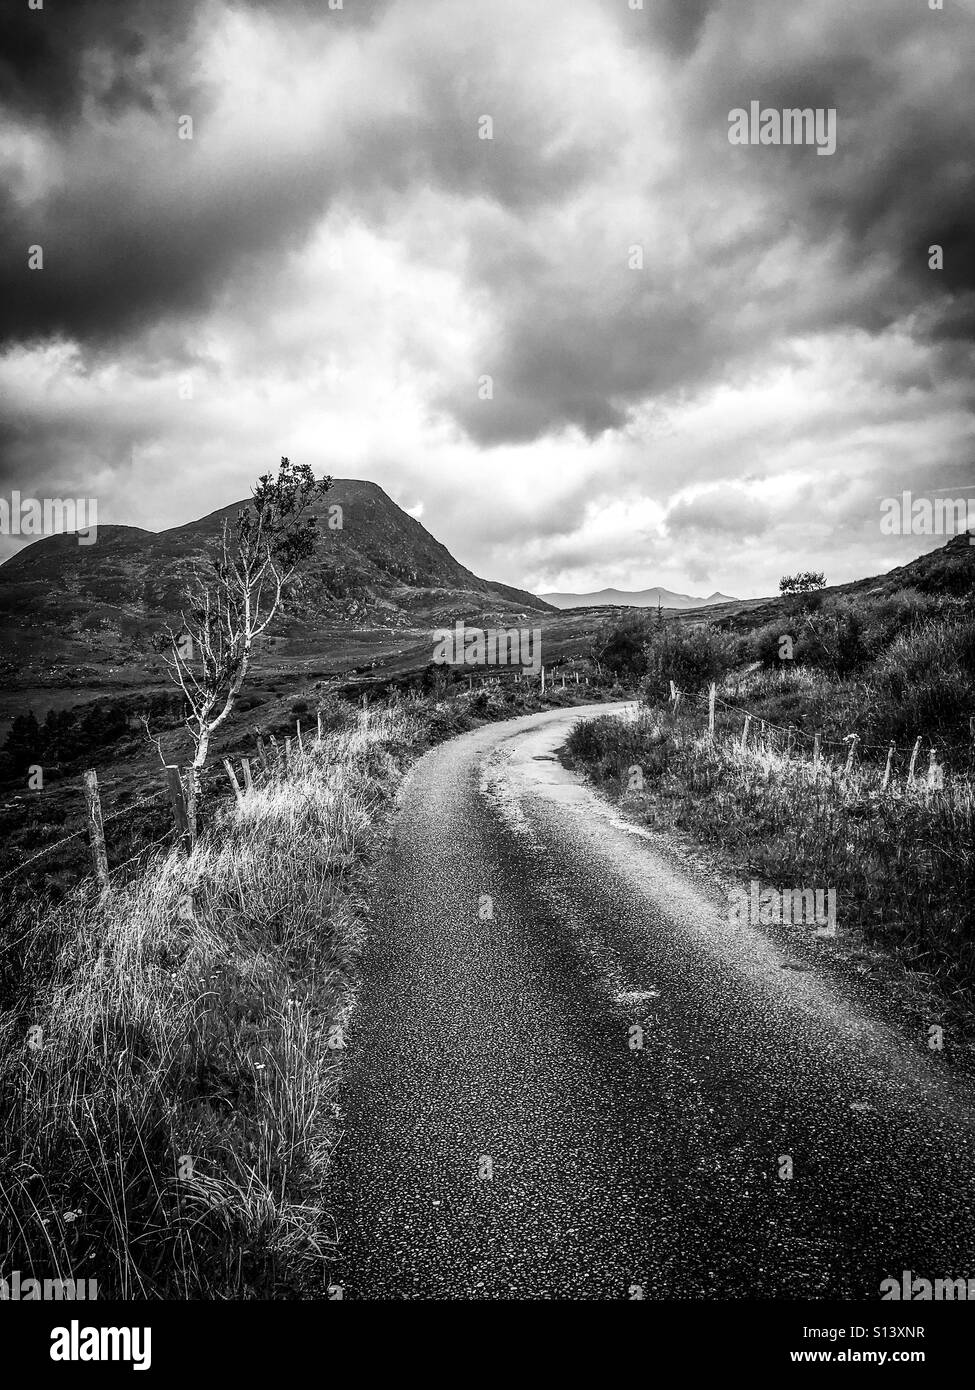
(815, 756)
(96, 832)
(744, 732)
(301, 746)
(712, 696)
(543, 680)
(189, 801)
(914, 753)
(319, 726)
(177, 799)
(936, 776)
(262, 752)
(890, 762)
(248, 780)
(854, 739)
(233, 780)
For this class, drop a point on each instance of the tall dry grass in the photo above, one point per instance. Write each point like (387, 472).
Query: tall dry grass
(167, 1058)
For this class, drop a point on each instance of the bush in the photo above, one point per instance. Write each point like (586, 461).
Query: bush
(620, 643)
(691, 657)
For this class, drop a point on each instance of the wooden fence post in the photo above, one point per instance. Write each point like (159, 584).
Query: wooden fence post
(936, 776)
(248, 780)
(712, 696)
(916, 750)
(319, 726)
(262, 752)
(890, 762)
(854, 739)
(233, 780)
(744, 732)
(815, 756)
(96, 832)
(177, 800)
(543, 680)
(189, 801)
(301, 746)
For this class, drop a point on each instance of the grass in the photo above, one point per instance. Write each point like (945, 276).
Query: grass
(902, 859)
(168, 1057)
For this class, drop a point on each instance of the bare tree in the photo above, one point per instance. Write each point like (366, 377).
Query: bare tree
(235, 594)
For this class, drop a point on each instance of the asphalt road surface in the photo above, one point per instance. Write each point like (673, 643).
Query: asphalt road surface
(504, 1136)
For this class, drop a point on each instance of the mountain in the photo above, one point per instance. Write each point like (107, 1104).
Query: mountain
(63, 604)
(640, 598)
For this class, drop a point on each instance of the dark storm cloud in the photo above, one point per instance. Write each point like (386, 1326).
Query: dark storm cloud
(144, 226)
(857, 224)
(122, 54)
(119, 55)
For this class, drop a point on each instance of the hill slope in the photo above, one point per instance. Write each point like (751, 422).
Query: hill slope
(63, 604)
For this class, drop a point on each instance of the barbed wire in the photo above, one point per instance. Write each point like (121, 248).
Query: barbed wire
(126, 810)
(795, 732)
(41, 853)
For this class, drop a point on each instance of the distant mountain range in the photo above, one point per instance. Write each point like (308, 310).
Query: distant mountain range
(639, 598)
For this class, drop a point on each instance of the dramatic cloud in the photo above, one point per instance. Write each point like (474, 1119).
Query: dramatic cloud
(601, 346)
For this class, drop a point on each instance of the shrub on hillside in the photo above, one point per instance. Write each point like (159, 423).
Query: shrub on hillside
(691, 657)
(619, 646)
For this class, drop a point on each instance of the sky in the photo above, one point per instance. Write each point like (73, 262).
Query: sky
(604, 347)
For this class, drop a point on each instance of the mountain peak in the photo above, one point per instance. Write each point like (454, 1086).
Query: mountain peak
(638, 598)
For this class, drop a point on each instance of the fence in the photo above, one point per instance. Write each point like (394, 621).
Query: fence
(945, 762)
(180, 793)
(181, 787)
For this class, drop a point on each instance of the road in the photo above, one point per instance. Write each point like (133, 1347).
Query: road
(505, 1137)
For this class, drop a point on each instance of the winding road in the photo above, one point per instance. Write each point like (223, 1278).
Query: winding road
(507, 1136)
